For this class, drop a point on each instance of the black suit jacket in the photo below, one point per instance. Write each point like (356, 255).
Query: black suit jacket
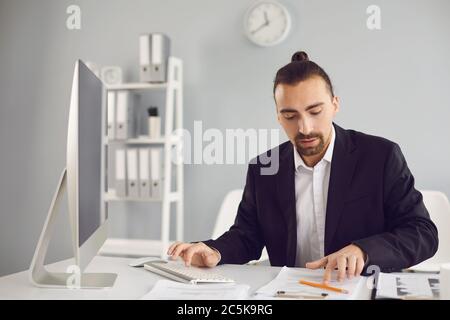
(372, 203)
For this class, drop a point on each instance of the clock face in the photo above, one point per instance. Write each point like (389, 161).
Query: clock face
(267, 23)
(111, 75)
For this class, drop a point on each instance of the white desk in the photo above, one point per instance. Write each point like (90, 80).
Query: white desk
(131, 283)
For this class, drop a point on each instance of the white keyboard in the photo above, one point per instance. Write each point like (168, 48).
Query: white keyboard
(178, 271)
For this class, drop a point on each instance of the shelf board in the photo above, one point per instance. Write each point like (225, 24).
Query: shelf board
(110, 196)
(137, 86)
(143, 140)
(132, 247)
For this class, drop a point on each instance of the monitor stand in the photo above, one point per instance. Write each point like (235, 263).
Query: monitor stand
(73, 279)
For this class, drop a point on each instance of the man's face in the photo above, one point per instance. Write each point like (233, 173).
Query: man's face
(306, 112)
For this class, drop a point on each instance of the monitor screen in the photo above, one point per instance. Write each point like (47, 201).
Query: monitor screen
(89, 152)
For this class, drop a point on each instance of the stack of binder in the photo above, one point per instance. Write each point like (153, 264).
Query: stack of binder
(138, 172)
(120, 116)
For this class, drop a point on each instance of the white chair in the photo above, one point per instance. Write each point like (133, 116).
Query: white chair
(439, 208)
(227, 215)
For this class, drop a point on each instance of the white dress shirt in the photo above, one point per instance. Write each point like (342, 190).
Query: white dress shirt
(311, 192)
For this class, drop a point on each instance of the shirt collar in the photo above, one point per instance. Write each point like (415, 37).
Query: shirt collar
(298, 161)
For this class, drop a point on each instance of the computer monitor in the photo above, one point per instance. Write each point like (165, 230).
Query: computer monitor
(83, 180)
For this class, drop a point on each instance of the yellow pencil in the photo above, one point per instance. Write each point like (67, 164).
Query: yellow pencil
(322, 286)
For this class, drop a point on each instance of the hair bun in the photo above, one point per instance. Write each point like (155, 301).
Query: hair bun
(300, 56)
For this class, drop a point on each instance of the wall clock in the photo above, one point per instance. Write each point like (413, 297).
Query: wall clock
(267, 23)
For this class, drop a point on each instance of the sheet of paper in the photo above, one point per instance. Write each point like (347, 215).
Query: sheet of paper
(171, 290)
(288, 280)
(407, 286)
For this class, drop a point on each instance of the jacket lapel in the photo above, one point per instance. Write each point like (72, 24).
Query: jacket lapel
(286, 195)
(342, 169)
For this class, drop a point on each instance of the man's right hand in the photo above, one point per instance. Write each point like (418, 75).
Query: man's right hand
(196, 254)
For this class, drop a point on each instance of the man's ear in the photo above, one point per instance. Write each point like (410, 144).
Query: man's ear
(336, 104)
(278, 114)
(278, 118)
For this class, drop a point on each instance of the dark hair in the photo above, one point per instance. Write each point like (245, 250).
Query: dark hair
(299, 69)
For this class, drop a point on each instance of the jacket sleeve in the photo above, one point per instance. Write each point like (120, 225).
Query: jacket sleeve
(243, 241)
(410, 237)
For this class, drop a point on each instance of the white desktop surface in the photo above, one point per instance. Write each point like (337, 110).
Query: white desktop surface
(131, 283)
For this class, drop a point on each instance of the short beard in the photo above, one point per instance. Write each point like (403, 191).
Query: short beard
(309, 151)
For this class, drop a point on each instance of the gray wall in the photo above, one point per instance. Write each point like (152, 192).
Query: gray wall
(393, 82)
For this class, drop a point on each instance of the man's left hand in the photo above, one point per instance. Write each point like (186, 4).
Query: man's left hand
(349, 261)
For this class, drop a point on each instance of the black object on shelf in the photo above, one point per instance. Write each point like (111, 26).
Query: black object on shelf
(152, 112)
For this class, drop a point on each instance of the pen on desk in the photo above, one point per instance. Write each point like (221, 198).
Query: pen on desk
(300, 295)
(411, 297)
(322, 286)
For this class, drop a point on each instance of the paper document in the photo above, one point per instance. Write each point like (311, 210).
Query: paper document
(288, 280)
(427, 267)
(407, 286)
(171, 290)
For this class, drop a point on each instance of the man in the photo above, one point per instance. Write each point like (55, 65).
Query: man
(341, 199)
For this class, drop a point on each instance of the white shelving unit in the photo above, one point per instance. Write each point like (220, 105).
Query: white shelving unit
(169, 141)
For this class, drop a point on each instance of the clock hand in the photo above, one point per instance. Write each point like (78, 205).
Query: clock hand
(260, 27)
(266, 18)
